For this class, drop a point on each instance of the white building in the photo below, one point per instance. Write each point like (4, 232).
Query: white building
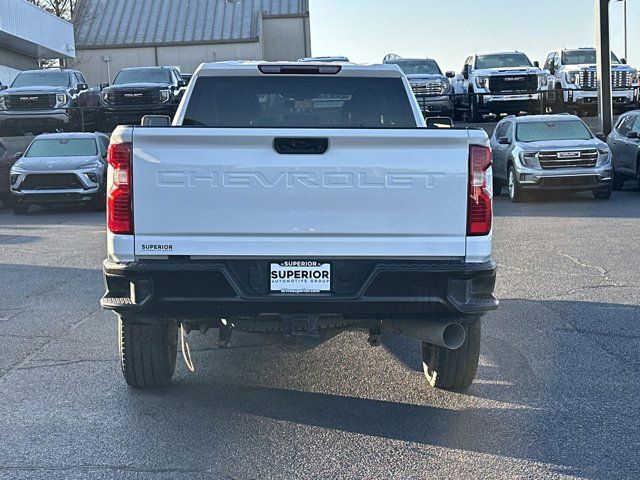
(28, 33)
(114, 34)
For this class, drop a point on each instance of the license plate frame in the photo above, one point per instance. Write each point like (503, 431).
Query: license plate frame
(300, 277)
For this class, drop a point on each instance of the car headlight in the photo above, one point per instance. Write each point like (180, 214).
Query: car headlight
(89, 165)
(61, 100)
(544, 80)
(572, 77)
(105, 97)
(446, 86)
(165, 95)
(482, 82)
(3, 106)
(634, 77)
(14, 178)
(529, 159)
(604, 156)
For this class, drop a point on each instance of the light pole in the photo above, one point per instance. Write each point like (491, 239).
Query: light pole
(603, 54)
(626, 29)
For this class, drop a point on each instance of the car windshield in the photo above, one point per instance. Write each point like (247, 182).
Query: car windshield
(63, 147)
(299, 102)
(418, 67)
(502, 60)
(583, 57)
(41, 79)
(143, 75)
(549, 131)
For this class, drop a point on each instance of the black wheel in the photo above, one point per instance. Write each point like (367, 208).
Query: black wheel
(603, 193)
(147, 351)
(516, 195)
(453, 369)
(20, 208)
(558, 105)
(618, 181)
(497, 188)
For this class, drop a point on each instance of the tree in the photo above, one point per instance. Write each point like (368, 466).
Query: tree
(60, 8)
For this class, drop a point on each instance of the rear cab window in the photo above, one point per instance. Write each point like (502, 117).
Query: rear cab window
(300, 102)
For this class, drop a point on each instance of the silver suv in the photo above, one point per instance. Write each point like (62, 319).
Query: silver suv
(549, 152)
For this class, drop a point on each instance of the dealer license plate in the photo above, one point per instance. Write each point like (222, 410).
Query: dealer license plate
(300, 277)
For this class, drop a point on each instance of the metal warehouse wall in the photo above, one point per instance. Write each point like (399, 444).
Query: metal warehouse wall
(12, 62)
(284, 39)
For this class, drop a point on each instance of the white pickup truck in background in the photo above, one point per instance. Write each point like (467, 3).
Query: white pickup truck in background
(299, 201)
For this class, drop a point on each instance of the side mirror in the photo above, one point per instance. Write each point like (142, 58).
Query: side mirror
(552, 69)
(504, 141)
(450, 74)
(536, 64)
(633, 135)
(601, 136)
(3, 87)
(182, 83)
(439, 122)
(156, 121)
(466, 71)
(623, 61)
(82, 87)
(104, 85)
(18, 156)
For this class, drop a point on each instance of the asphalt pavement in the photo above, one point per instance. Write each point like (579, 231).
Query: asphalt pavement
(557, 393)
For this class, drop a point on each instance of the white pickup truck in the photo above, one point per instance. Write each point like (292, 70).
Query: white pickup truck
(299, 201)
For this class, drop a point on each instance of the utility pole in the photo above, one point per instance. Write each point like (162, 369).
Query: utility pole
(603, 49)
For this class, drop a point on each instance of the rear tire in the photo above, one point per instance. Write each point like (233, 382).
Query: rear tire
(453, 369)
(147, 352)
(20, 209)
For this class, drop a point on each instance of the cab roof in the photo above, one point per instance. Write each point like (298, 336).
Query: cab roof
(253, 68)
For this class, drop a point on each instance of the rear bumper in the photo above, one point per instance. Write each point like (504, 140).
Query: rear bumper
(361, 289)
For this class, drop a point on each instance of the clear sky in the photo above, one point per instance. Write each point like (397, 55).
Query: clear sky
(448, 30)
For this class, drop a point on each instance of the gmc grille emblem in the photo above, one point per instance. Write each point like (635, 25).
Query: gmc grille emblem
(133, 95)
(29, 99)
(569, 154)
(514, 79)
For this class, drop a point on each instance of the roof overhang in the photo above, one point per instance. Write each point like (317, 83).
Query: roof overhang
(30, 30)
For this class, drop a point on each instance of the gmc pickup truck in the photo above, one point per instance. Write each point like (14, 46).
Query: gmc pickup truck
(298, 201)
(48, 101)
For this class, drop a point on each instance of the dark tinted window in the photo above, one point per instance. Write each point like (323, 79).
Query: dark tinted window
(418, 67)
(41, 79)
(580, 57)
(143, 75)
(501, 130)
(64, 147)
(288, 101)
(625, 124)
(545, 131)
(502, 60)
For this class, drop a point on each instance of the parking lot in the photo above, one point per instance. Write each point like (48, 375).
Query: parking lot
(556, 394)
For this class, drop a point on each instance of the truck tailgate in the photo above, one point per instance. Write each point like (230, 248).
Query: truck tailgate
(208, 192)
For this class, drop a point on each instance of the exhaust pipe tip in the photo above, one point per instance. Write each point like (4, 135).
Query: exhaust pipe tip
(453, 336)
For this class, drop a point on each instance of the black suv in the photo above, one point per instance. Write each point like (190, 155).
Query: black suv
(48, 100)
(137, 92)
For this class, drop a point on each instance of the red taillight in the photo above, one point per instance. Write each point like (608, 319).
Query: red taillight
(120, 196)
(480, 201)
